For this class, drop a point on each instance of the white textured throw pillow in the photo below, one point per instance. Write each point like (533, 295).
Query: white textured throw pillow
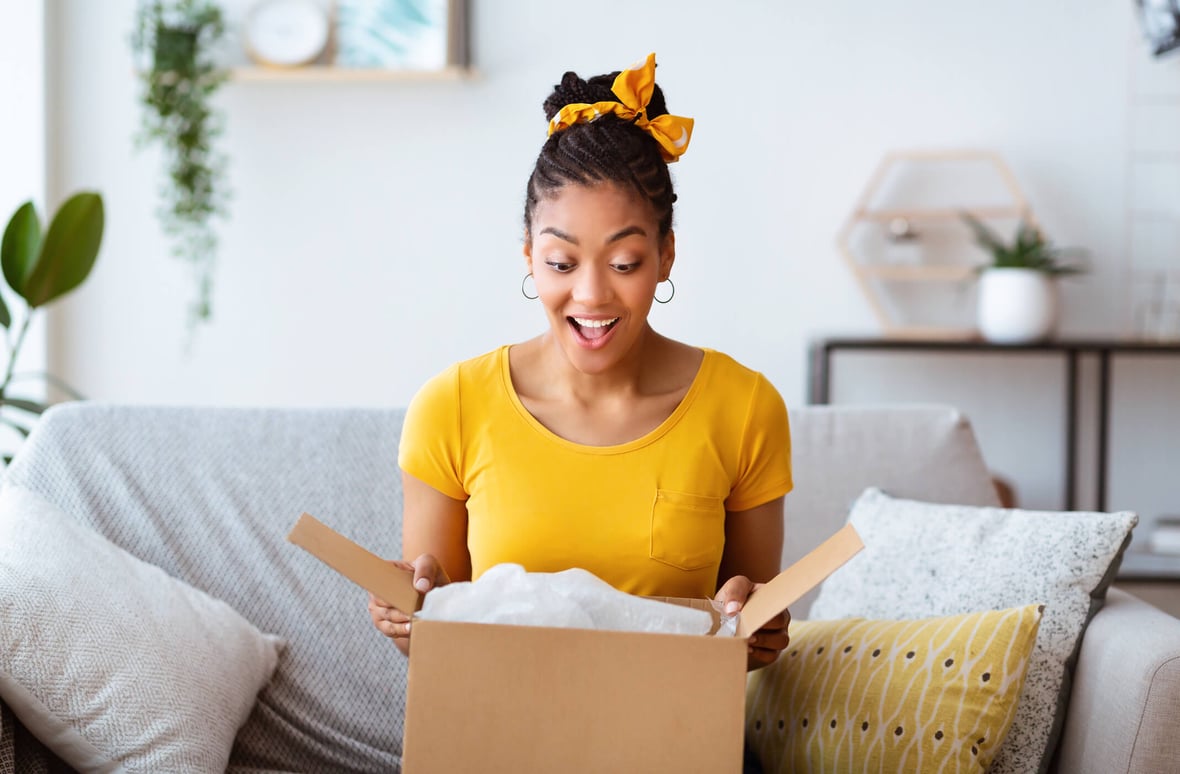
(926, 559)
(112, 663)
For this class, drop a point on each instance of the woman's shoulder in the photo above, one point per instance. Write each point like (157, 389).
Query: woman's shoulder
(461, 376)
(482, 367)
(729, 369)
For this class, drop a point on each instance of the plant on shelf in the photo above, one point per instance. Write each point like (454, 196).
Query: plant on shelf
(174, 41)
(1028, 250)
(40, 267)
(1017, 293)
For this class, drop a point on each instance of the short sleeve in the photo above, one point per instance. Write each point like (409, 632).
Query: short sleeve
(430, 449)
(764, 462)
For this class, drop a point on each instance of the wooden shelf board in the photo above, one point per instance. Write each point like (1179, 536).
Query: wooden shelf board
(918, 273)
(932, 333)
(327, 73)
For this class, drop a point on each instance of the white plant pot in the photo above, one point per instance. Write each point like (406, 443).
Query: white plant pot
(1016, 306)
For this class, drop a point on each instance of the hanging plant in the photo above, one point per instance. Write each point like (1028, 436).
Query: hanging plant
(174, 41)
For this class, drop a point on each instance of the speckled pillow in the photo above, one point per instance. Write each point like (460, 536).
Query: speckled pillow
(933, 694)
(927, 559)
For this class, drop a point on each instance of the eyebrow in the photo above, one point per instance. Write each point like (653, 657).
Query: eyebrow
(629, 231)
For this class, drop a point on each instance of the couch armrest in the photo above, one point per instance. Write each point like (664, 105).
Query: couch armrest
(1125, 706)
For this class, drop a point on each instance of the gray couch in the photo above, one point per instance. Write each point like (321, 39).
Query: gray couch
(208, 494)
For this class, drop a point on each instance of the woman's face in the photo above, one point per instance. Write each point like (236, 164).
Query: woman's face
(596, 255)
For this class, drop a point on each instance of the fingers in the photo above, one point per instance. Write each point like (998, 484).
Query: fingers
(394, 623)
(428, 573)
(395, 631)
(765, 645)
(734, 593)
(769, 639)
(760, 657)
(780, 621)
(390, 621)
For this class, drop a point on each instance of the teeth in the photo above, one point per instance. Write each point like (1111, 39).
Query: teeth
(594, 323)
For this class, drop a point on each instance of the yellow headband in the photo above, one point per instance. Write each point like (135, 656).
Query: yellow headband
(633, 87)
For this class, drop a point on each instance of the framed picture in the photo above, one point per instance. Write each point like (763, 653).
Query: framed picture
(401, 34)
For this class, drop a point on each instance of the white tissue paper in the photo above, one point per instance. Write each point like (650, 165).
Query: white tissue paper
(575, 599)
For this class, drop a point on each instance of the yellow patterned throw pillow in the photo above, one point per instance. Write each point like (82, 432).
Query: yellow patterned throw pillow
(934, 694)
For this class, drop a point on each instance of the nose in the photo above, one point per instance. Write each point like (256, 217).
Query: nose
(592, 286)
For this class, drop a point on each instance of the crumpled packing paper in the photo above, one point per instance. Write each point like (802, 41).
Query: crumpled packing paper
(577, 599)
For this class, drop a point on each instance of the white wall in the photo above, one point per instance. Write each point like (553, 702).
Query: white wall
(22, 173)
(375, 234)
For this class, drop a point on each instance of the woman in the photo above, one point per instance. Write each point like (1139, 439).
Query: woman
(601, 444)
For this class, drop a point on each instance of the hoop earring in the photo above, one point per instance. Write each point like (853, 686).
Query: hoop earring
(524, 292)
(671, 295)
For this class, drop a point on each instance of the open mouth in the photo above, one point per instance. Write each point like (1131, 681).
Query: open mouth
(592, 333)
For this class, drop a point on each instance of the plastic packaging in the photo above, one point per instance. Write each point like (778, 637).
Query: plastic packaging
(506, 594)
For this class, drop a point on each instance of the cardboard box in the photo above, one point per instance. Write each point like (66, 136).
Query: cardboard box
(494, 697)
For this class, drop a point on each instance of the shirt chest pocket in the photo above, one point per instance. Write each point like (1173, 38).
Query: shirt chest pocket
(687, 530)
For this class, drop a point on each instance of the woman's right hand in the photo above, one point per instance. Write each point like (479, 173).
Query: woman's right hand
(394, 623)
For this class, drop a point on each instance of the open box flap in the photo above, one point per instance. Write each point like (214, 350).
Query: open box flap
(369, 571)
(795, 581)
(396, 586)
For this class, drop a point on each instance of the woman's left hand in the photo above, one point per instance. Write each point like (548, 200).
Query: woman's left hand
(766, 643)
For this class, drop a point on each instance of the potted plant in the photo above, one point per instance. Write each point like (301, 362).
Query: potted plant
(40, 267)
(174, 41)
(1018, 290)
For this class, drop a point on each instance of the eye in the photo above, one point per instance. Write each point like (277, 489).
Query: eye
(625, 268)
(559, 266)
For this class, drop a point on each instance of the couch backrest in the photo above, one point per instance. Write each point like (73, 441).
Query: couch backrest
(209, 494)
(921, 452)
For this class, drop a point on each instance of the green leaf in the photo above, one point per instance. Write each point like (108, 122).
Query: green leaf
(69, 250)
(24, 431)
(983, 235)
(1029, 237)
(31, 406)
(18, 252)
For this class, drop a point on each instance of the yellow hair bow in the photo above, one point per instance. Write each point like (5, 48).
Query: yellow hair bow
(633, 87)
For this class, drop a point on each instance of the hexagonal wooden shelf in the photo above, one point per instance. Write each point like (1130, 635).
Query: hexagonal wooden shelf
(873, 275)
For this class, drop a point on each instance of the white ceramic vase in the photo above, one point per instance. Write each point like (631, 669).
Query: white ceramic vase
(1016, 306)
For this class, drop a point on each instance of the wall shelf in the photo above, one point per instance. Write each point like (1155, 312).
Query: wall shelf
(924, 273)
(869, 271)
(1107, 351)
(332, 74)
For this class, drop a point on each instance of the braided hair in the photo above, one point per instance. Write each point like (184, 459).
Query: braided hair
(608, 149)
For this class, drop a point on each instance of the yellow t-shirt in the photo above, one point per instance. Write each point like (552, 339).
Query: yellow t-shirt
(647, 516)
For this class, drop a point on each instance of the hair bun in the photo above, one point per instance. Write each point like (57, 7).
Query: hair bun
(574, 90)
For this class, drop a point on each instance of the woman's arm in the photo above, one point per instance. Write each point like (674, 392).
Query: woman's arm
(434, 534)
(435, 524)
(753, 543)
(753, 553)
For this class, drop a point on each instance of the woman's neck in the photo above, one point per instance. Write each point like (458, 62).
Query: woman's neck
(630, 375)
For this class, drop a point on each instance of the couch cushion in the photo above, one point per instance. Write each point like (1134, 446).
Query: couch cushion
(208, 495)
(923, 452)
(924, 559)
(932, 694)
(109, 660)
